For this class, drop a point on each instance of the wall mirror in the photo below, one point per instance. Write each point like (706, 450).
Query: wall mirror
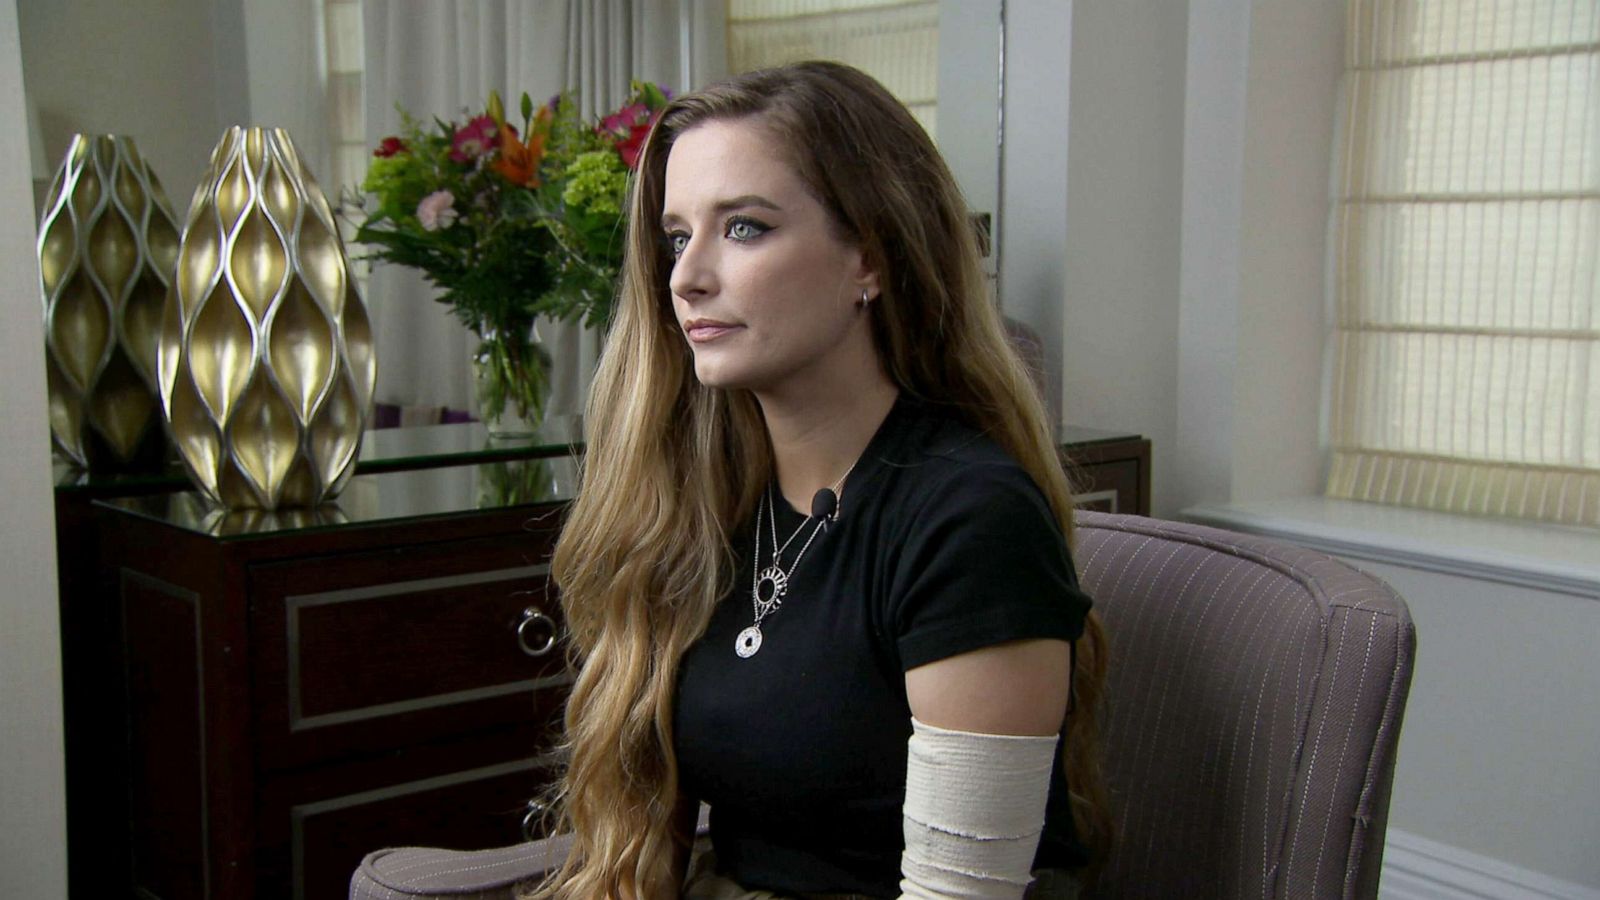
(175, 74)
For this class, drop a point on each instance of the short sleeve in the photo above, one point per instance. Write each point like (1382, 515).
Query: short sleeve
(982, 563)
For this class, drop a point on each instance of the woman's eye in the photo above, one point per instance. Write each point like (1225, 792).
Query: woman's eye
(745, 229)
(677, 242)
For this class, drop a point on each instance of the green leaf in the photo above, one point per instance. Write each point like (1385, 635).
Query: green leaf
(651, 94)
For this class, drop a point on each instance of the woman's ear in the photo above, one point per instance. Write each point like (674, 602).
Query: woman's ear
(866, 279)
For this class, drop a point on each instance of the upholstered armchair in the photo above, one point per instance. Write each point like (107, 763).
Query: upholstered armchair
(1252, 711)
(1250, 724)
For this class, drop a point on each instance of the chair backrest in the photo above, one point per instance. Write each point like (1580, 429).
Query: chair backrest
(1251, 715)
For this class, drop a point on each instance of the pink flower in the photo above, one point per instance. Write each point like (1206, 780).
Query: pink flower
(437, 210)
(473, 140)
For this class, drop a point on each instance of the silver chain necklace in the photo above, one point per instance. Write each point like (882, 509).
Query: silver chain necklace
(769, 585)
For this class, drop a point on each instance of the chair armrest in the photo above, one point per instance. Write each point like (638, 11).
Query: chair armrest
(429, 873)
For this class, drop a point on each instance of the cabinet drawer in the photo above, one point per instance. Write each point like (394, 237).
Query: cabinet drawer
(466, 795)
(365, 652)
(1111, 487)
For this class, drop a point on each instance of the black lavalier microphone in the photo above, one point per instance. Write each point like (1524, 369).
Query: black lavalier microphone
(824, 504)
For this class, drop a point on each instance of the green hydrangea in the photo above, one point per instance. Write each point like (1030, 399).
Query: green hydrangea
(399, 182)
(596, 181)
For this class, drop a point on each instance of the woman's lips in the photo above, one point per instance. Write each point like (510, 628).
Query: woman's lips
(701, 331)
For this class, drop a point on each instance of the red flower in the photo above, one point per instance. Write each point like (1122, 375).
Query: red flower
(630, 147)
(621, 122)
(627, 128)
(390, 146)
(473, 140)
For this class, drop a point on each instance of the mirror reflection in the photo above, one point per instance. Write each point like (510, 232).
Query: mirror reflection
(176, 74)
(333, 72)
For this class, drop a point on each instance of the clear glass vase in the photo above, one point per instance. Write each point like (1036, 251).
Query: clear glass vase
(512, 374)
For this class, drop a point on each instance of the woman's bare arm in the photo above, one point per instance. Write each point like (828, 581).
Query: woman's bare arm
(1017, 688)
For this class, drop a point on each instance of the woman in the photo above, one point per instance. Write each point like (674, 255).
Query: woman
(817, 574)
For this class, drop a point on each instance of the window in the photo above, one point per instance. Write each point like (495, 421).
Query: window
(895, 42)
(1466, 259)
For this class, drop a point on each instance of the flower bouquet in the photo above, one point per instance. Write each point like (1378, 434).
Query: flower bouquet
(510, 223)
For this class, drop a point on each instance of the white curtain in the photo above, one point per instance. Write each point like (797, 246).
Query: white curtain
(438, 58)
(1466, 259)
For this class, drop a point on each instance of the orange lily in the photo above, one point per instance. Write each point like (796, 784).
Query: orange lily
(518, 161)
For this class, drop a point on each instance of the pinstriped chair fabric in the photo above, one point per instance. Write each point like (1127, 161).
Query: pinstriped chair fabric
(1252, 711)
(409, 873)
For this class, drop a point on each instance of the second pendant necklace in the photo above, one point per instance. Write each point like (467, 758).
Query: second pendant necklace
(769, 585)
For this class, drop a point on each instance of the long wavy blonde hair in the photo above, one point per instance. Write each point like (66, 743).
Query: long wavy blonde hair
(672, 466)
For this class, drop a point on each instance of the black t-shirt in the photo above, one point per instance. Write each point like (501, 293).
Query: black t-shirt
(944, 545)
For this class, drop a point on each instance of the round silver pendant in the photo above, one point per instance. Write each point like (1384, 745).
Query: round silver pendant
(748, 642)
(770, 588)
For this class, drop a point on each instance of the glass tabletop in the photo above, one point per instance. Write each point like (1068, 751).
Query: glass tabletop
(383, 450)
(405, 473)
(470, 442)
(391, 496)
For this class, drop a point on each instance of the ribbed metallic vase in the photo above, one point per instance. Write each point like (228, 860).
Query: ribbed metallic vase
(267, 365)
(107, 244)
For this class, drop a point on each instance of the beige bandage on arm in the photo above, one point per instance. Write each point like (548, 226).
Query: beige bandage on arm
(973, 812)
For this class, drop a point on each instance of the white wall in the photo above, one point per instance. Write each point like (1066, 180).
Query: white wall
(32, 786)
(1034, 160)
(1500, 751)
(1261, 93)
(108, 66)
(1198, 161)
(1296, 59)
(1124, 168)
(1208, 290)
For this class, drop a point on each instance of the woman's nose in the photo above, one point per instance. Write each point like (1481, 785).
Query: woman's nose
(694, 273)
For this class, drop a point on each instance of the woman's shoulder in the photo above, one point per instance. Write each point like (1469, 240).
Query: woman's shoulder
(940, 446)
(945, 467)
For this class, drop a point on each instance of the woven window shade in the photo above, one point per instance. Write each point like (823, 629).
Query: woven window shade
(895, 42)
(1466, 259)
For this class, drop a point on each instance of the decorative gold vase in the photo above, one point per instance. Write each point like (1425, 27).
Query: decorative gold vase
(267, 366)
(107, 244)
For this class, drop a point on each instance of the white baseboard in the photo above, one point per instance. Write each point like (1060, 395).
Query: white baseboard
(1415, 868)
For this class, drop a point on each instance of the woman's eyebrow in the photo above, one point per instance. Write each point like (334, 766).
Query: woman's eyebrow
(743, 201)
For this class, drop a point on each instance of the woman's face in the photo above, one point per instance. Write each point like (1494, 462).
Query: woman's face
(765, 292)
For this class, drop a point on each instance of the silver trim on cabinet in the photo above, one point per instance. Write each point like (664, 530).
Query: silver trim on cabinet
(296, 602)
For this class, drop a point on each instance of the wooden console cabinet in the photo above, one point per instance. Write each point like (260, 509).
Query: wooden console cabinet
(300, 693)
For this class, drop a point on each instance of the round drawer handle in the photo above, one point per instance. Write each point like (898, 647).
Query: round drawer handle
(536, 632)
(532, 819)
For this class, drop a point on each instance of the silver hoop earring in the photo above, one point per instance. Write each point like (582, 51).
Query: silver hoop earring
(865, 300)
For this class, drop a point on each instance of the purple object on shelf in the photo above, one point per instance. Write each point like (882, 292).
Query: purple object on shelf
(393, 415)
